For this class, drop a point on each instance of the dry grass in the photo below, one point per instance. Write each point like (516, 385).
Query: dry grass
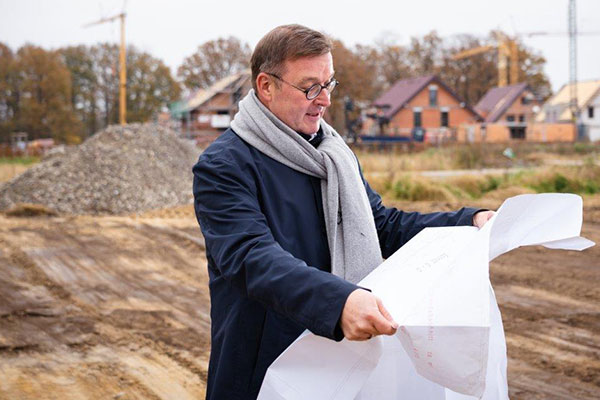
(13, 166)
(397, 163)
(9, 171)
(583, 180)
(396, 175)
(465, 156)
(30, 210)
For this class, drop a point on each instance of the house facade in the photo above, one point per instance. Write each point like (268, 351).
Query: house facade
(590, 118)
(512, 107)
(421, 108)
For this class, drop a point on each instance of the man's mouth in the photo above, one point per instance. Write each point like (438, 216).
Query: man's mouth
(313, 114)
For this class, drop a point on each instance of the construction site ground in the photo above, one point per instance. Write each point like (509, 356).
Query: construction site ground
(107, 307)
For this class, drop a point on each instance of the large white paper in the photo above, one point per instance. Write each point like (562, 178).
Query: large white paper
(450, 344)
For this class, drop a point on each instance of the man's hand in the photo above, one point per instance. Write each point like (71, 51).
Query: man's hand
(364, 316)
(480, 218)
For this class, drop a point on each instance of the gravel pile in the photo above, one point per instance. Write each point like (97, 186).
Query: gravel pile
(119, 170)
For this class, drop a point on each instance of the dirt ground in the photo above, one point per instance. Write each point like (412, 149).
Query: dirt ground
(117, 308)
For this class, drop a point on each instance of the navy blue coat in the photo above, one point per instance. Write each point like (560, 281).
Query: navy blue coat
(268, 259)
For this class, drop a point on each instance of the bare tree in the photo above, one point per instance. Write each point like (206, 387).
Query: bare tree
(214, 60)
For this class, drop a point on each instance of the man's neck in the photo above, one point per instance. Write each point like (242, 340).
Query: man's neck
(308, 137)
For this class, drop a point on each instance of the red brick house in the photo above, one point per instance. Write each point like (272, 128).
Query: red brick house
(514, 106)
(208, 112)
(422, 107)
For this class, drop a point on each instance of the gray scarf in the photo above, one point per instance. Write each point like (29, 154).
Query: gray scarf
(351, 234)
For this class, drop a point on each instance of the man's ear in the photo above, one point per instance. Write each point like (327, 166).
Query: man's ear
(264, 88)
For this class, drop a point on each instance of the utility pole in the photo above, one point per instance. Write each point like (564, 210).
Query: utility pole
(573, 101)
(122, 66)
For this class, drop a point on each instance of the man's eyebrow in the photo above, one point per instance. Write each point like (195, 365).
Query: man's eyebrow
(306, 80)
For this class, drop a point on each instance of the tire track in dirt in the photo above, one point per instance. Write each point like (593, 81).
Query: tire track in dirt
(111, 274)
(107, 307)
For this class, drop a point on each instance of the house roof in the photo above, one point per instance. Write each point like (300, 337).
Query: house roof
(403, 91)
(586, 91)
(497, 100)
(228, 84)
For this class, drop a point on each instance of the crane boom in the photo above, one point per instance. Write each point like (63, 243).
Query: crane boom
(507, 50)
(472, 52)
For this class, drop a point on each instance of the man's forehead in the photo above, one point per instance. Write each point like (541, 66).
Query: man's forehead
(313, 79)
(310, 69)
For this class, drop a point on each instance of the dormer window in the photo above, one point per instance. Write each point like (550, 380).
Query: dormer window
(433, 94)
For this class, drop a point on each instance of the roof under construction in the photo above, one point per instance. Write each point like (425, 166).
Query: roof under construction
(229, 84)
(586, 91)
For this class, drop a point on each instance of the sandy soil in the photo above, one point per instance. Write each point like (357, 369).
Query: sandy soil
(102, 308)
(117, 308)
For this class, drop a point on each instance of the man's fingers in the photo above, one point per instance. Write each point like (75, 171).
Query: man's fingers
(482, 217)
(364, 334)
(386, 314)
(383, 326)
(364, 316)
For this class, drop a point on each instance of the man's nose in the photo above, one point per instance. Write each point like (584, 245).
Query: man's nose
(323, 99)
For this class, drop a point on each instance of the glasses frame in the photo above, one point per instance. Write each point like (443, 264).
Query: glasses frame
(307, 91)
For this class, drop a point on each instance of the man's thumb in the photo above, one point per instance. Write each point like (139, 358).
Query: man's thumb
(386, 314)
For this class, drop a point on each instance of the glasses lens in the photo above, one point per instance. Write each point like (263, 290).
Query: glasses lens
(313, 91)
(332, 85)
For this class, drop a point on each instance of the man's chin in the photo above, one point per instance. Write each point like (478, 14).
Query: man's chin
(309, 129)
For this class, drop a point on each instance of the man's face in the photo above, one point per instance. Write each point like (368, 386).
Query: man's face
(290, 104)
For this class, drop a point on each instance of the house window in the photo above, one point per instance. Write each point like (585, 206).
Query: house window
(521, 118)
(590, 112)
(417, 118)
(433, 92)
(510, 118)
(444, 119)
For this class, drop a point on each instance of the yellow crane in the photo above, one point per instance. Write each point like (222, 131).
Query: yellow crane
(122, 65)
(508, 51)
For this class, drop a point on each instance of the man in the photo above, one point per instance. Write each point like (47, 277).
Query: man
(290, 224)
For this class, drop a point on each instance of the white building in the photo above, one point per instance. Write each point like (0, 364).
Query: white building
(590, 117)
(556, 109)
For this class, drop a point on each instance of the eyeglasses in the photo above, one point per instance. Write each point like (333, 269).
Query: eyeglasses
(315, 90)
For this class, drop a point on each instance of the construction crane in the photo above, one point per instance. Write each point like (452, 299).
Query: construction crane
(573, 101)
(573, 33)
(508, 51)
(122, 65)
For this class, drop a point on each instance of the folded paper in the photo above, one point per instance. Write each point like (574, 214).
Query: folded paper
(450, 343)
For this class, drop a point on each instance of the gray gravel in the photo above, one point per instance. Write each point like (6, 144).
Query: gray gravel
(119, 170)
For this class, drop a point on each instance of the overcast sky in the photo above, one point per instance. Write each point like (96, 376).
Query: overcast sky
(172, 30)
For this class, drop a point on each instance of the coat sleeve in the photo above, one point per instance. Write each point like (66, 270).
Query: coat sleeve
(243, 251)
(396, 227)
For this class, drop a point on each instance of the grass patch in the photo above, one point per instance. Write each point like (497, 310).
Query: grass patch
(581, 180)
(412, 187)
(13, 166)
(420, 189)
(25, 160)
